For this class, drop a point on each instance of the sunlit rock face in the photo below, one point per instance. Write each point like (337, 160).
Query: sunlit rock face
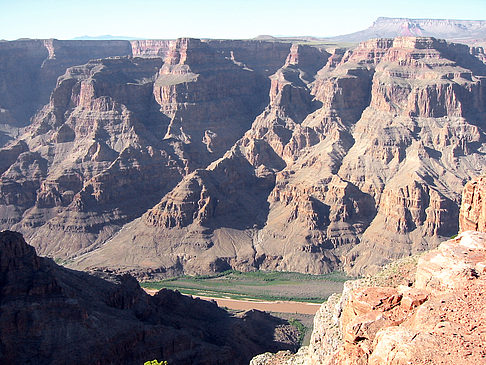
(202, 156)
(427, 309)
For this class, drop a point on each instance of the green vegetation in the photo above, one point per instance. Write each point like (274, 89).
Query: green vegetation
(300, 327)
(155, 362)
(257, 285)
(62, 262)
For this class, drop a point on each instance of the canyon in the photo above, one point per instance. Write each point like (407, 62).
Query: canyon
(162, 158)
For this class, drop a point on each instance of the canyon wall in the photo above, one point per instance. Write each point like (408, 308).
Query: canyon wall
(202, 156)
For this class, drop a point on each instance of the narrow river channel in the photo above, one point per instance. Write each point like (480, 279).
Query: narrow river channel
(279, 306)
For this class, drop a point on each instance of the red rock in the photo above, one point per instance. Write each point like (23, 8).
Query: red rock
(473, 209)
(438, 321)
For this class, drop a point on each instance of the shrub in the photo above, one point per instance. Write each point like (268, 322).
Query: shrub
(155, 362)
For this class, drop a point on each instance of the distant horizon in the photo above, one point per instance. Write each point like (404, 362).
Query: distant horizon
(214, 19)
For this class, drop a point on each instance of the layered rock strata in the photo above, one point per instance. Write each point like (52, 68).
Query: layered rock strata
(250, 155)
(29, 70)
(49, 314)
(117, 135)
(353, 151)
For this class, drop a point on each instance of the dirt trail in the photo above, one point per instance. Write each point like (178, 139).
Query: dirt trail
(280, 306)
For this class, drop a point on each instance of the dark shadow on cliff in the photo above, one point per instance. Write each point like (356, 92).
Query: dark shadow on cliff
(50, 314)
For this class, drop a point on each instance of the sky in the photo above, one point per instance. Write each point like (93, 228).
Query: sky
(163, 19)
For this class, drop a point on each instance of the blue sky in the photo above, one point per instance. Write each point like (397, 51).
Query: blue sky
(214, 18)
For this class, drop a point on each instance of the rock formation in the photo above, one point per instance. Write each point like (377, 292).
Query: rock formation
(52, 315)
(437, 318)
(472, 216)
(124, 132)
(29, 70)
(249, 155)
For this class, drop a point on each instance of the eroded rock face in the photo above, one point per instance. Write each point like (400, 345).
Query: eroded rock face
(50, 314)
(435, 318)
(29, 70)
(117, 135)
(364, 155)
(251, 155)
(473, 209)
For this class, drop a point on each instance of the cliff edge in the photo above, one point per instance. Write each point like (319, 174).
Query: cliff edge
(437, 318)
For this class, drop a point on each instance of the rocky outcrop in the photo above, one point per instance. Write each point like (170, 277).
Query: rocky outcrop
(49, 314)
(437, 320)
(437, 317)
(472, 216)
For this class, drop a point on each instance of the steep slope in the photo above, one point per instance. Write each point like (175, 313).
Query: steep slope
(467, 31)
(50, 315)
(250, 155)
(29, 70)
(354, 151)
(209, 221)
(116, 135)
(416, 144)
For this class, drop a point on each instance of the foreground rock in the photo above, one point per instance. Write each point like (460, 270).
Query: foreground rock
(52, 315)
(439, 320)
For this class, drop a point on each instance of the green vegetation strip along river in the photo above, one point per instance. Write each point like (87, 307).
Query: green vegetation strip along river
(257, 285)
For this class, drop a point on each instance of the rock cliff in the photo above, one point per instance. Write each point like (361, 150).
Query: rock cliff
(472, 216)
(29, 70)
(116, 135)
(430, 312)
(50, 315)
(208, 155)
